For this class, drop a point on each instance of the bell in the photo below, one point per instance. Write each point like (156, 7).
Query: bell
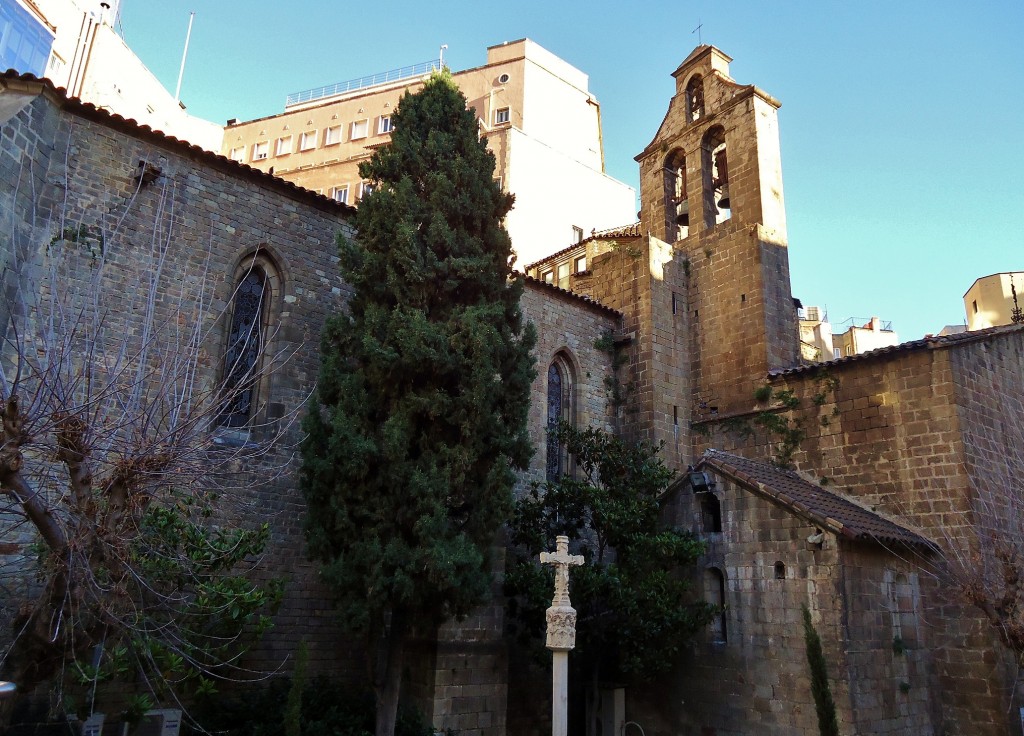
(683, 214)
(723, 201)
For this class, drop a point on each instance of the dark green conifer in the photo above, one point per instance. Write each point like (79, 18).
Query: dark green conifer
(424, 387)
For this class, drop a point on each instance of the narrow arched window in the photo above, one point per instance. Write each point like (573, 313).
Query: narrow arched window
(714, 593)
(715, 177)
(695, 99)
(780, 570)
(245, 344)
(677, 203)
(559, 409)
(710, 513)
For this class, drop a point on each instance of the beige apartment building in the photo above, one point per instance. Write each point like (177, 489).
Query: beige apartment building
(858, 339)
(994, 300)
(534, 109)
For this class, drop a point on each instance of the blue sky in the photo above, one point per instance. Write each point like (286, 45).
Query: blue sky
(902, 122)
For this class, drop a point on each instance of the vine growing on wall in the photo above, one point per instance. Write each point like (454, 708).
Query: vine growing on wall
(615, 390)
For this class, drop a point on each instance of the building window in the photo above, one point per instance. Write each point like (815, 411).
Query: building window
(837, 352)
(332, 135)
(549, 277)
(580, 264)
(710, 513)
(780, 570)
(577, 234)
(974, 304)
(560, 409)
(245, 343)
(55, 66)
(365, 189)
(284, 146)
(563, 275)
(384, 125)
(359, 129)
(903, 594)
(715, 178)
(307, 140)
(695, 99)
(237, 154)
(714, 593)
(677, 203)
(340, 194)
(502, 116)
(260, 150)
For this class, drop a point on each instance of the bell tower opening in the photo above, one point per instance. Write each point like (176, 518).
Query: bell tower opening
(677, 203)
(715, 175)
(695, 99)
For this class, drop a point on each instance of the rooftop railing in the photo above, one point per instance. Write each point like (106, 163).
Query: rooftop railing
(318, 93)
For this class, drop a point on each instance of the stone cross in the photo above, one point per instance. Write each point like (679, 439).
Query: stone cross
(561, 619)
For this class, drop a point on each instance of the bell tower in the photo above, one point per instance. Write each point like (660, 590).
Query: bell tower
(711, 186)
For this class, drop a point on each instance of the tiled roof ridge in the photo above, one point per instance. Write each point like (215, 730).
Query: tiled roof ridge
(731, 464)
(589, 301)
(622, 231)
(931, 342)
(134, 127)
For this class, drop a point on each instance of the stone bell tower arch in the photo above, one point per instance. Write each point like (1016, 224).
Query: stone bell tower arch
(711, 185)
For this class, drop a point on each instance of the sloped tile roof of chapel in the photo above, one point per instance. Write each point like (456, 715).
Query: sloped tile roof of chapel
(623, 231)
(824, 508)
(932, 342)
(33, 84)
(566, 294)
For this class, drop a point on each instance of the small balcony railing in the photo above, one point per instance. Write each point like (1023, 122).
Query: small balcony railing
(393, 75)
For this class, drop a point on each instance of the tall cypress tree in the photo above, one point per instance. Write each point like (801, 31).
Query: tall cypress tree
(420, 420)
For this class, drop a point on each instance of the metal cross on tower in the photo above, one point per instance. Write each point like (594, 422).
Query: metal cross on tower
(697, 31)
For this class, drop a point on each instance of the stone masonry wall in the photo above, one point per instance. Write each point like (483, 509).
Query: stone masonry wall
(887, 430)
(757, 680)
(988, 381)
(214, 218)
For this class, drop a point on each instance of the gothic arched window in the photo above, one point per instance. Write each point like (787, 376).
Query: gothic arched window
(559, 409)
(245, 344)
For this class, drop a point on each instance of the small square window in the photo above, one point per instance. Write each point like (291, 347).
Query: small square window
(359, 129)
(307, 140)
(502, 116)
(549, 277)
(237, 154)
(332, 135)
(580, 264)
(260, 150)
(284, 146)
(384, 125)
(340, 194)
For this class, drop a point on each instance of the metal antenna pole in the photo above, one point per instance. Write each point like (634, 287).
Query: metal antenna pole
(181, 72)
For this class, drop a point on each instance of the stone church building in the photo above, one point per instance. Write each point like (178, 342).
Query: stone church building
(890, 453)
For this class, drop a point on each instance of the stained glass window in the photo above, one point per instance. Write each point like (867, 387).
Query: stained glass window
(244, 343)
(555, 411)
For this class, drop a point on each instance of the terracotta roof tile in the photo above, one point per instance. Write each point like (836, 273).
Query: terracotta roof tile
(827, 509)
(544, 285)
(626, 231)
(932, 342)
